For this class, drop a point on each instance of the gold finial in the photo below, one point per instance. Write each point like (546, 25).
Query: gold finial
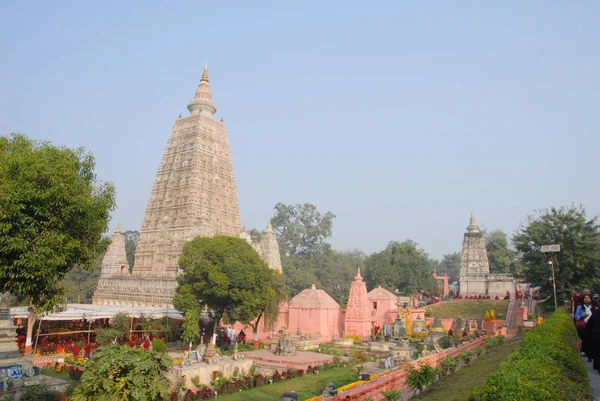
(205, 75)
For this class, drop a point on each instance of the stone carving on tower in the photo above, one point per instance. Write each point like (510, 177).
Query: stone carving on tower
(194, 194)
(475, 277)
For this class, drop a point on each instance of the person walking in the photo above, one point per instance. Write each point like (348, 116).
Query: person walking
(592, 336)
(582, 316)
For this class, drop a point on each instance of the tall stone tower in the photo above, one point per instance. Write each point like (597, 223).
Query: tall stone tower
(194, 194)
(359, 310)
(474, 264)
(475, 276)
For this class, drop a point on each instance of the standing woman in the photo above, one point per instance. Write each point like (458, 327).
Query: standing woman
(593, 338)
(582, 316)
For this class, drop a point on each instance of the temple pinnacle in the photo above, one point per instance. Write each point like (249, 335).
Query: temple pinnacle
(269, 229)
(358, 276)
(118, 229)
(473, 227)
(205, 75)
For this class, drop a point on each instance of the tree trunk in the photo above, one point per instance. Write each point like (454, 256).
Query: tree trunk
(28, 338)
(255, 328)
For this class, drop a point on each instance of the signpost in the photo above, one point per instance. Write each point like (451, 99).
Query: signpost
(552, 249)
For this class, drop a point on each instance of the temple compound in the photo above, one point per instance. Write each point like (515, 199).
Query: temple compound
(475, 276)
(194, 194)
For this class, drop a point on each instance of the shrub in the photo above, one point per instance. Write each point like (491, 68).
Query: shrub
(466, 356)
(449, 365)
(42, 394)
(391, 395)
(545, 366)
(492, 342)
(196, 381)
(445, 342)
(419, 379)
(158, 345)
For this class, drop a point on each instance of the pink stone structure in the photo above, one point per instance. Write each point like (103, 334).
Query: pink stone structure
(384, 305)
(358, 320)
(445, 287)
(314, 312)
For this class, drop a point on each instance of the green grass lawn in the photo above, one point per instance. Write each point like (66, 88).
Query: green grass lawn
(64, 375)
(306, 386)
(458, 386)
(469, 308)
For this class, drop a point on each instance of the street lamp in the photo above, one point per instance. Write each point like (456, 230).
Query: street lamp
(552, 249)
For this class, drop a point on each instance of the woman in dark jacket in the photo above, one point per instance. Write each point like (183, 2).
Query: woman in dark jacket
(592, 338)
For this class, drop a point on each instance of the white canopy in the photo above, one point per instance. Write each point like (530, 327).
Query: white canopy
(87, 311)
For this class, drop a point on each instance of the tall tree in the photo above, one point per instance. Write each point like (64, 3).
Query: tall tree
(225, 275)
(301, 229)
(576, 265)
(53, 213)
(337, 272)
(131, 240)
(80, 283)
(401, 266)
(501, 257)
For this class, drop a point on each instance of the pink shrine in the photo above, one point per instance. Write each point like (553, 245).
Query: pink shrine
(359, 312)
(315, 314)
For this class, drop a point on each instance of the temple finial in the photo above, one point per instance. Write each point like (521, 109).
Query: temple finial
(118, 229)
(269, 229)
(358, 276)
(473, 227)
(205, 75)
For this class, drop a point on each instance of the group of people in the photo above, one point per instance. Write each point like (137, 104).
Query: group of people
(586, 316)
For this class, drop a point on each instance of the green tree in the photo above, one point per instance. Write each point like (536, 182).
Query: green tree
(191, 328)
(576, 265)
(337, 271)
(225, 275)
(450, 264)
(501, 257)
(131, 239)
(301, 229)
(53, 213)
(122, 373)
(401, 266)
(80, 283)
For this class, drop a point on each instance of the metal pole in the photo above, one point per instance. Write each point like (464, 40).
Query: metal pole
(553, 282)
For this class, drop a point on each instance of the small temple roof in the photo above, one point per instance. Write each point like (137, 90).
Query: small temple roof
(118, 229)
(202, 101)
(473, 227)
(381, 293)
(269, 229)
(313, 298)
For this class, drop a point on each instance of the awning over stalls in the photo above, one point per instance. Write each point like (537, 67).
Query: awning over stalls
(87, 311)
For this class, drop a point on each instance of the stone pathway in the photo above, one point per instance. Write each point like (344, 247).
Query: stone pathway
(594, 379)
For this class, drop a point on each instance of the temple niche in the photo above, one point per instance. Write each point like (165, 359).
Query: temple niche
(475, 276)
(194, 194)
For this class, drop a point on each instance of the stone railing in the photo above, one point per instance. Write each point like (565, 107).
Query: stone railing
(396, 379)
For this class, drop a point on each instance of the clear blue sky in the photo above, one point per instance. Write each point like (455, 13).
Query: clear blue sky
(400, 117)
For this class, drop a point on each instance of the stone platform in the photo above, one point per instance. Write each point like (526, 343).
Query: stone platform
(299, 361)
(204, 370)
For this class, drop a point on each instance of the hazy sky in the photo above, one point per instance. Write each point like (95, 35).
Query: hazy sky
(400, 117)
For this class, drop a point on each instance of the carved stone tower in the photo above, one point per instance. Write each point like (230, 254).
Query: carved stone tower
(359, 310)
(194, 194)
(474, 264)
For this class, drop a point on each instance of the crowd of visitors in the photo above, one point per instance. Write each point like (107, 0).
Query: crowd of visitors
(586, 315)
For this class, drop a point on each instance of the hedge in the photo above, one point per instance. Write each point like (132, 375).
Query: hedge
(545, 366)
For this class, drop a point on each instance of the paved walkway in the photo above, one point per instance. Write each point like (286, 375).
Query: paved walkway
(594, 379)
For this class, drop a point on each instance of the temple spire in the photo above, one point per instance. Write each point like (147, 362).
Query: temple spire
(473, 227)
(202, 101)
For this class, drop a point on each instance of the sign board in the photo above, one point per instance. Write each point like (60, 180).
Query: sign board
(550, 248)
(529, 324)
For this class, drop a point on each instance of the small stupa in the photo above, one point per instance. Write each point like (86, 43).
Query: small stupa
(399, 330)
(285, 346)
(419, 327)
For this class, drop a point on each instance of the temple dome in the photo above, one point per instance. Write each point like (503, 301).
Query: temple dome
(380, 293)
(313, 298)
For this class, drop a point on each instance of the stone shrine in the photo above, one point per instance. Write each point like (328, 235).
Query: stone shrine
(194, 194)
(359, 310)
(475, 276)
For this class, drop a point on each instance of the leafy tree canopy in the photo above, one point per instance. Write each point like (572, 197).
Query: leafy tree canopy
(450, 264)
(225, 275)
(576, 265)
(401, 266)
(131, 239)
(53, 213)
(301, 229)
(121, 373)
(501, 257)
